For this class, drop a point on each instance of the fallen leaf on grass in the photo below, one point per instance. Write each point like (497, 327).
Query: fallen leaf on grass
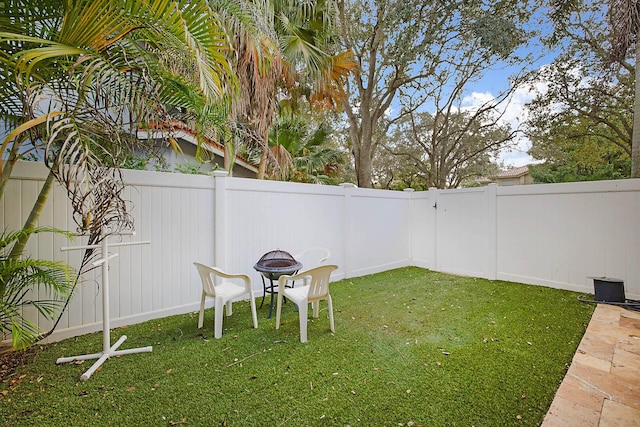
(182, 421)
(131, 388)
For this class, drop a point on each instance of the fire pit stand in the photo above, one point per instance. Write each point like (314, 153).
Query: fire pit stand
(272, 265)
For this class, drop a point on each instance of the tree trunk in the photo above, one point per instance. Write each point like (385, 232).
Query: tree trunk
(635, 137)
(228, 156)
(363, 167)
(32, 220)
(362, 148)
(262, 167)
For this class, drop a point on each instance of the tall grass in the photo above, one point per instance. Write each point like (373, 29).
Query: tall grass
(412, 347)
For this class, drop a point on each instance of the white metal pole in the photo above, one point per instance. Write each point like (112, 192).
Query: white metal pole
(107, 349)
(106, 327)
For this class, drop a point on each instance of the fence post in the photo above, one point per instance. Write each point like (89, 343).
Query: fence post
(220, 219)
(433, 197)
(348, 190)
(410, 231)
(491, 249)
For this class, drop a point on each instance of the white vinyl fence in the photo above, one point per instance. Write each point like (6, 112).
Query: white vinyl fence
(554, 235)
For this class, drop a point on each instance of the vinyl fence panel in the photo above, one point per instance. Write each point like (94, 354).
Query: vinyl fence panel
(555, 235)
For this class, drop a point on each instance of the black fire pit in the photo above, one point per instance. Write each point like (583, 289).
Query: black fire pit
(272, 265)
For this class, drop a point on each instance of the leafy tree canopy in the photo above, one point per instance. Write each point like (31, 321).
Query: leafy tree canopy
(581, 122)
(417, 55)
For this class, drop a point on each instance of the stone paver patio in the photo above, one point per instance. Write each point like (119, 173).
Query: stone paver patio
(602, 386)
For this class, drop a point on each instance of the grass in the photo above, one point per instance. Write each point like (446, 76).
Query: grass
(412, 347)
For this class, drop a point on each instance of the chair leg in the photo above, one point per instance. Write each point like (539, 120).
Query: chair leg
(217, 324)
(316, 308)
(278, 310)
(303, 313)
(330, 303)
(201, 317)
(264, 291)
(254, 314)
(229, 308)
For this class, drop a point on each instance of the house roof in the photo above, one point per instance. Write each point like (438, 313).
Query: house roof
(183, 131)
(514, 173)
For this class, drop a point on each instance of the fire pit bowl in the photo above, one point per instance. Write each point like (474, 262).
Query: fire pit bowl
(272, 265)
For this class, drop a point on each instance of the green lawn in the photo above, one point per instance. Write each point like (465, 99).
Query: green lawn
(412, 347)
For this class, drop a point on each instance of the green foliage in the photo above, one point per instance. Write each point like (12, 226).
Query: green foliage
(497, 34)
(303, 151)
(396, 168)
(424, 56)
(410, 346)
(570, 157)
(136, 162)
(581, 122)
(445, 149)
(21, 280)
(194, 168)
(80, 78)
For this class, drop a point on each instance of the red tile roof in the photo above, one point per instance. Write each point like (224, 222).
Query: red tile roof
(178, 125)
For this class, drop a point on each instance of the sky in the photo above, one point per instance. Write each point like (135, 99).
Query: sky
(516, 111)
(497, 80)
(516, 114)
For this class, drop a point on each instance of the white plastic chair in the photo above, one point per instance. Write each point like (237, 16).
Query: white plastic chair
(219, 285)
(312, 258)
(315, 291)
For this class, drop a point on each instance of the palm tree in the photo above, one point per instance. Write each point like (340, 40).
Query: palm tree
(301, 153)
(80, 77)
(77, 80)
(624, 21)
(284, 55)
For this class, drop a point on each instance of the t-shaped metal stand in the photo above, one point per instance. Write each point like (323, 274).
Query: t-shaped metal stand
(107, 349)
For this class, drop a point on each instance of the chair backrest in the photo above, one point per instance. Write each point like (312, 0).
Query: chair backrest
(319, 283)
(208, 275)
(313, 257)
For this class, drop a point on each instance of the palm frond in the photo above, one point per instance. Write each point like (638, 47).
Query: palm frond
(19, 277)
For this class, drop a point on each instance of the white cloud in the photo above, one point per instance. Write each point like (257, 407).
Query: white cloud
(515, 114)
